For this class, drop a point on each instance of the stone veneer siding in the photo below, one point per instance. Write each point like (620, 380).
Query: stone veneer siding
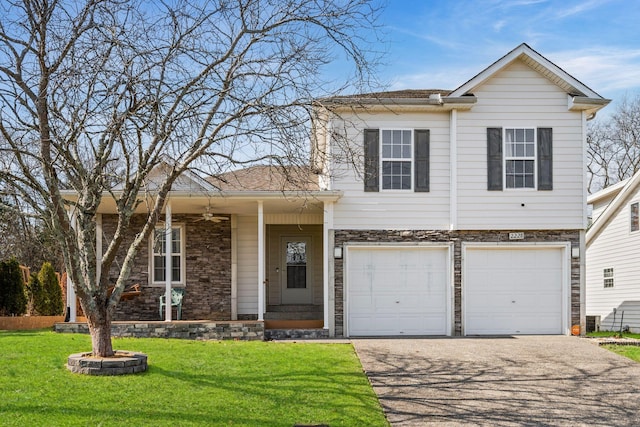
(208, 271)
(343, 237)
(196, 330)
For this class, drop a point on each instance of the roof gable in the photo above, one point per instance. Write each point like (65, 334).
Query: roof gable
(624, 196)
(537, 62)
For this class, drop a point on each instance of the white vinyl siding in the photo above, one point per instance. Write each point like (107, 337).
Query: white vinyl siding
(519, 97)
(391, 209)
(247, 264)
(617, 248)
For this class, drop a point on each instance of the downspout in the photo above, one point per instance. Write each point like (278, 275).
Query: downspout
(583, 246)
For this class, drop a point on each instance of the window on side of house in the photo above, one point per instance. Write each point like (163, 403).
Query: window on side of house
(520, 157)
(396, 159)
(608, 277)
(635, 216)
(158, 255)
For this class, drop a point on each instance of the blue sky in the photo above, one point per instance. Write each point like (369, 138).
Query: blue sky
(440, 44)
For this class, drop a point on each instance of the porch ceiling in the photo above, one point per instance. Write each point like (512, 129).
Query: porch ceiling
(242, 203)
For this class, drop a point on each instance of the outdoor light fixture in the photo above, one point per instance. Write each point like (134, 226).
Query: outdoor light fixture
(575, 252)
(337, 252)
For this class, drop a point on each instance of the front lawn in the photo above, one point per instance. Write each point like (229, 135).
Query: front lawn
(188, 383)
(630, 351)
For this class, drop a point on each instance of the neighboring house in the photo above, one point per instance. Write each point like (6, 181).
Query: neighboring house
(463, 214)
(613, 257)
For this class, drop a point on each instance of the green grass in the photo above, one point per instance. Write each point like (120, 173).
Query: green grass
(188, 383)
(612, 333)
(630, 351)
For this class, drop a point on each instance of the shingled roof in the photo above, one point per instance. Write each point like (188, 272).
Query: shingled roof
(397, 94)
(267, 178)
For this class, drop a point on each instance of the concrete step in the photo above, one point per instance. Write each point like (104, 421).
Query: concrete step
(293, 315)
(294, 308)
(293, 324)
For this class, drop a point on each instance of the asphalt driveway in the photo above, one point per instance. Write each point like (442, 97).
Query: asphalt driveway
(528, 380)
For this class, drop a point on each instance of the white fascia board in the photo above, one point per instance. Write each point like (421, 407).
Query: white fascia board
(399, 105)
(583, 103)
(610, 191)
(329, 196)
(614, 207)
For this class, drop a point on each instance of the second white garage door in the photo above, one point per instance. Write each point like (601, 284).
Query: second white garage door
(513, 290)
(397, 291)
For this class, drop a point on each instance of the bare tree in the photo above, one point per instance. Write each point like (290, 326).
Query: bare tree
(94, 94)
(613, 146)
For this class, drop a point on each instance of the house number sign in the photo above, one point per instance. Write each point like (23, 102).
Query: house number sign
(516, 236)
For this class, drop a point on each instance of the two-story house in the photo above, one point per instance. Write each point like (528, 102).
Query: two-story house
(456, 212)
(613, 249)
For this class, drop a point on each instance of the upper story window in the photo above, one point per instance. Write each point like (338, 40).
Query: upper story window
(396, 158)
(607, 275)
(635, 216)
(158, 255)
(520, 158)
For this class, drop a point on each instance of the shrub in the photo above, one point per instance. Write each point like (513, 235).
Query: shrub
(13, 299)
(37, 297)
(51, 289)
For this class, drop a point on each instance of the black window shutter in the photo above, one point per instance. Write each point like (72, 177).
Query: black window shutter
(421, 160)
(371, 160)
(494, 159)
(545, 159)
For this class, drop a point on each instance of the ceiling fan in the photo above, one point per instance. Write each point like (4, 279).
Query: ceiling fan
(207, 215)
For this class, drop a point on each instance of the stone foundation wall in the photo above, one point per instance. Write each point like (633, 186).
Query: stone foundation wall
(208, 271)
(343, 237)
(245, 331)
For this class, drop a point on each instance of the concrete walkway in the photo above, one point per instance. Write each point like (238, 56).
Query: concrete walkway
(549, 380)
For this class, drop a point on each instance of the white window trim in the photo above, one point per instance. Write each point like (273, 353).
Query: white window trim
(605, 277)
(505, 158)
(635, 202)
(410, 160)
(183, 263)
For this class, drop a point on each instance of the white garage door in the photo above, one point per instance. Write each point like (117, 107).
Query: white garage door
(513, 291)
(396, 291)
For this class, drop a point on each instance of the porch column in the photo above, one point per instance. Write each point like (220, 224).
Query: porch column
(234, 267)
(260, 261)
(327, 250)
(71, 293)
(167, 262)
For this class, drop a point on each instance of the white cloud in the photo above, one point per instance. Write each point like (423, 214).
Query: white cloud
(602, 68)
(581, 7)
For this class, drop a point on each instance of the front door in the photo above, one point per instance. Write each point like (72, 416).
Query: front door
(296, 278)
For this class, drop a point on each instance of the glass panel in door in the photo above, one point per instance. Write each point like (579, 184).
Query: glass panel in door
(296, 283)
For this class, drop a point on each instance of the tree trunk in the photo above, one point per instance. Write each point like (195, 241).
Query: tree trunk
(100, 329)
